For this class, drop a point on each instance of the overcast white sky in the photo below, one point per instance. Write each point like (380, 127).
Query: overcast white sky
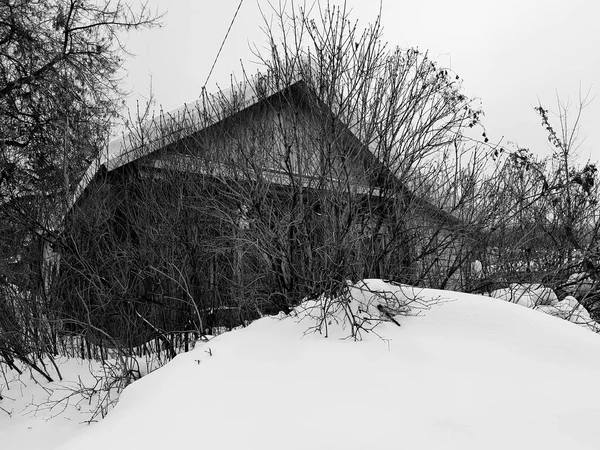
(510, 53)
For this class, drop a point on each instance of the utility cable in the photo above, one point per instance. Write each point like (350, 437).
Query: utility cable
(223, 43)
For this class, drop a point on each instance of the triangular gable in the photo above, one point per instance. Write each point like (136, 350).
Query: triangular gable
(173, 126)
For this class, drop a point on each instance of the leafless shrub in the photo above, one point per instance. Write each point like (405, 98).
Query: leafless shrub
(545, 229)
(361, 307)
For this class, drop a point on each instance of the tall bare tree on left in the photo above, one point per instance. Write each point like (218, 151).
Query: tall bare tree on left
(60, 93)
(59, 85)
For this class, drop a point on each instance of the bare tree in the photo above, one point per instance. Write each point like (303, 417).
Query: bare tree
(548, 226)
(59, 95)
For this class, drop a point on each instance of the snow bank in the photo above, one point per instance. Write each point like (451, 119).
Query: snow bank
(468, 372)
(37, 414)
(579, 284)
(570, 309)
(29, 402)
(543, 299)
(528, 295)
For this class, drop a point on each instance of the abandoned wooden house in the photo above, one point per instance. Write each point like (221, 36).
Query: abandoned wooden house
(241, 204)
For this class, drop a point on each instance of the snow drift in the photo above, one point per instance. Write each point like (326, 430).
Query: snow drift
(545, 300)
(467, 372)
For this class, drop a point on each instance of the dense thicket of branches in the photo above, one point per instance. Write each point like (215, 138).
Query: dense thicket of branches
(59, 96)
(341, 159)
(59, 86)
(323, 168)
(545, 221)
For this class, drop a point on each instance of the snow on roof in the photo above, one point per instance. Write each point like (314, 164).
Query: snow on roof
(168, 127)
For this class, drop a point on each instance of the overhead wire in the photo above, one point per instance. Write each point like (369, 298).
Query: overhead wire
(223, 43)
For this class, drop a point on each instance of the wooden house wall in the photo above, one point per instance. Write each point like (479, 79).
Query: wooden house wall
(250, 208)
(286, 142)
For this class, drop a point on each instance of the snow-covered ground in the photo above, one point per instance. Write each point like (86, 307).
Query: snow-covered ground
(467, 372)
(545, 300)
(36, 414)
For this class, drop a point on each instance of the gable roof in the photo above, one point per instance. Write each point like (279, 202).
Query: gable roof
(169, 127)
